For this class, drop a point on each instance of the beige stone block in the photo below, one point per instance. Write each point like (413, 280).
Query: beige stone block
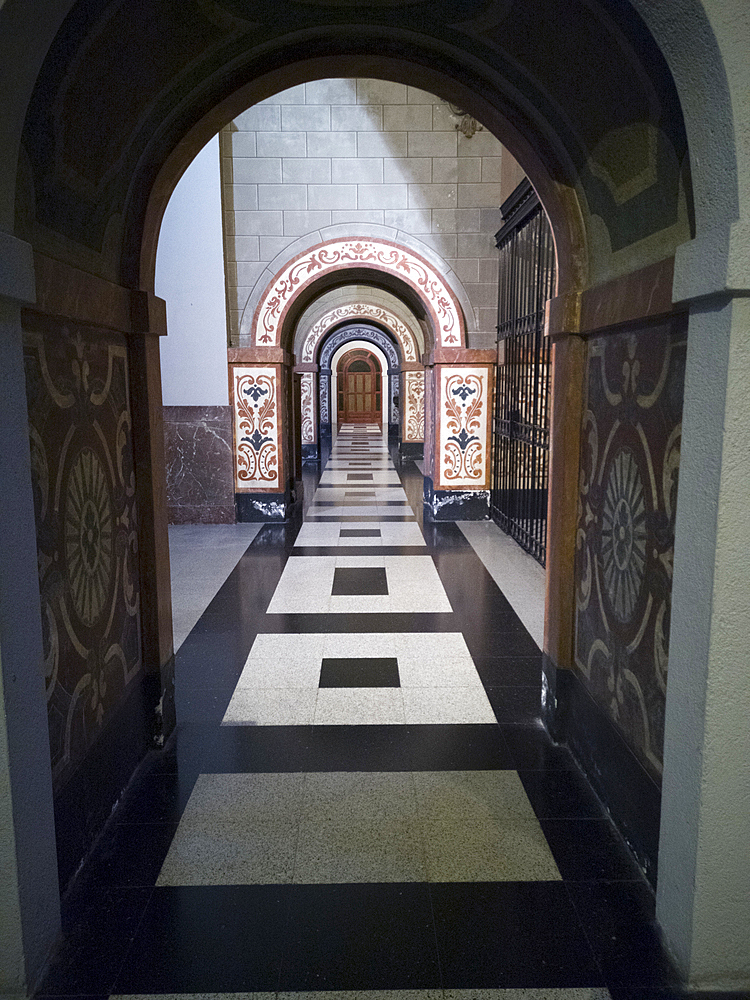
(242, 197)
(331, 92)
(488, 269)
(481, 143)
(238, 296)
(487, 318)
(230, 272)
(475, 245)
(312, 170)
(382, 196)
(381, 144)
(294, 95)
(491, 169)
(243, 248)
(331, 196)
(445, 170)
(359, 118)
(407, 118)
(258, 223)
(271, 246)
(479, 195)
(455, 221)
(482, 296)
(490, 220)
(407, 170)
(282, 196)
(469, 170)
(248, 272)
(414, 221)
(380, 92)
(229, 227)
(432, 144)
(365, 217)
(416, 96)
(467, 270)
(241, 143)
(259, 118)
(443, 119)
(432, 195)
(443, 243)
(332, 144)
(281, 144)
(257, 170)
(226, 169)
(364, 170)
(304, 118)
(300, 223)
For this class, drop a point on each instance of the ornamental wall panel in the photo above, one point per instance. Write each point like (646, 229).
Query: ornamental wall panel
(256, 401)
(463, 427)
(379, 255)
(309, 417)
(413, 427)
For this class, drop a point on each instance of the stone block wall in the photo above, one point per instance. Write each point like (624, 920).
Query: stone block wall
(361, 153)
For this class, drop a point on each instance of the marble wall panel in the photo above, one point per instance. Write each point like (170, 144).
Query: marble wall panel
(198, 446)
(87, 533)
(630, 458)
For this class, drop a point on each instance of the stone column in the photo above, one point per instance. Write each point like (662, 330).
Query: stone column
(29, 894)
(259, 387)
(458, 418)
(325, 403)
(703, 898)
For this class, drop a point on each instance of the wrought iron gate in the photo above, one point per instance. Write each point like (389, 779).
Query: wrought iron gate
(521, 438)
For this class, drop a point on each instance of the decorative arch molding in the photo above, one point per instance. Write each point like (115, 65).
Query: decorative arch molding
(381, 256)
(373, 336)
(369, 333)
(360, 311)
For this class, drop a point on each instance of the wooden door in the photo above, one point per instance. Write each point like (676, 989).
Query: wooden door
(359, 389)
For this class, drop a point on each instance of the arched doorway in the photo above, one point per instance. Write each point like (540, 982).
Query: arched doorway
(615, 197)
(359, 395)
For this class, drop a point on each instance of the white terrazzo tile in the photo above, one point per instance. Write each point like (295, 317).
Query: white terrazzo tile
(304, 586)
(438, 660)
(271, 707)
(283, 661)
(357, 644)
(359, 707)
(447, 706)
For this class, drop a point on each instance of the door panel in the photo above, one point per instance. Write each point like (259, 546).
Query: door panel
(360, 392)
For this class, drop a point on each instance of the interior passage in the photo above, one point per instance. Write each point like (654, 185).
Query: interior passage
(359, 798)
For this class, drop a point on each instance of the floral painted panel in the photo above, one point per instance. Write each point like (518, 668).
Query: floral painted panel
(87, 544)
(463, 446)
(257, 457)
(630, 458)
(309, 422)
(413, 429)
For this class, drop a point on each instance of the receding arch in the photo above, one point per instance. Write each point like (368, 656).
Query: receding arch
(384, 260)
(359, 311)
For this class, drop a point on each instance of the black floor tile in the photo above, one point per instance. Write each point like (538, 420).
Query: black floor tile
(561, 794)
(501, 671)
(359, 672)
(155, 797)
(359, 581)
(506, 935)
(360, 937)
(589, 849)
(128, 854)
(98, 927)
(354, 476)
(199, 704)
(208, 939)
(531, 748)
(359, 550)
(360, 622)
(359, 533)
(516, 705)
(618, 918)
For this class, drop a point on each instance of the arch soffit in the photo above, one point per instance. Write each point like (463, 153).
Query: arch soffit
(359, 311)
(339, 338)
(384, 258)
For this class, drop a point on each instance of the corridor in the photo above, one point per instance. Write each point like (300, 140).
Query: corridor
(358, 796)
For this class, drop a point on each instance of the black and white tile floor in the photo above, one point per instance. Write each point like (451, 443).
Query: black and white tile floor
(359, 800)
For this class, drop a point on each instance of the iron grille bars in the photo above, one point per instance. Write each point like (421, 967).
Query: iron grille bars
(521, 438)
